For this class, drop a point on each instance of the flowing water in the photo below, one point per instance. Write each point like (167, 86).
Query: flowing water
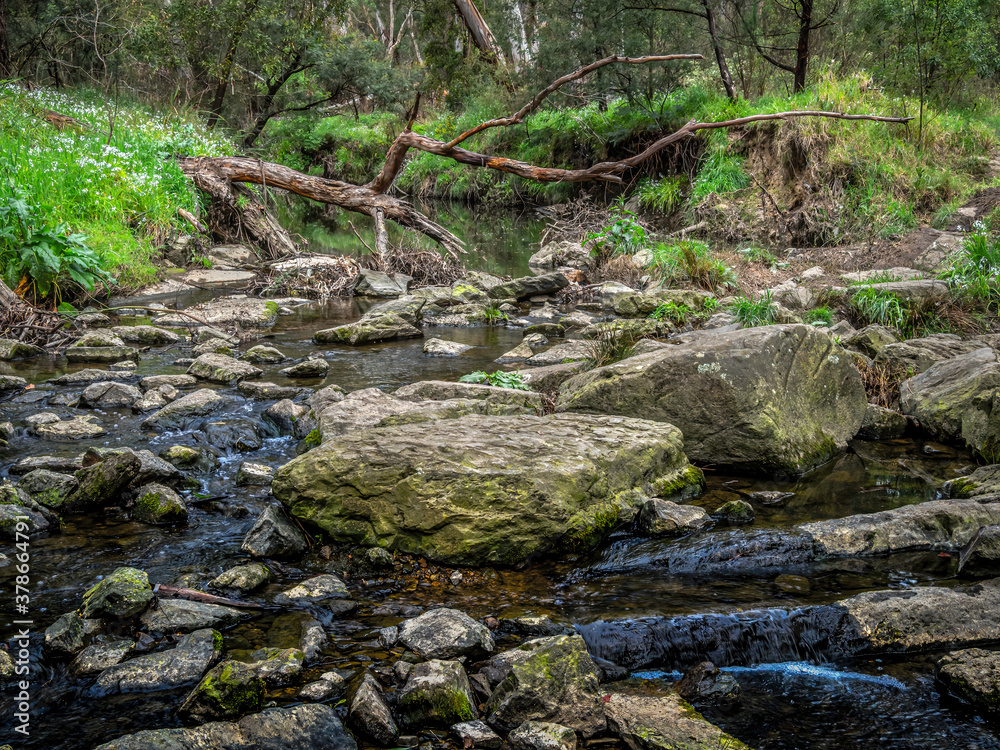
(795, 696)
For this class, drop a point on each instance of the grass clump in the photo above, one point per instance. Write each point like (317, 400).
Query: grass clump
(664, 196)
(975, 273)
(819, 316)
(691, 260)
(609, 346)
(755, 312)
(499, 379)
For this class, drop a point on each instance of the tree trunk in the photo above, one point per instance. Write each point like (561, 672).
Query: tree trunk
(482, 37)
(5, 67)
(802, 48)
(227, 64)
(214, 175)
(720, 56)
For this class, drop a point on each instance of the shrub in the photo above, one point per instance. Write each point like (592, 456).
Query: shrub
(624, 236)
(819, 316)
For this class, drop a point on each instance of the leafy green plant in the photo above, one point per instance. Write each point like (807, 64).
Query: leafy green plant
(493, 314)
(754, 312)
(676, 313)
(611, 345)
(202, 260)
(624, 236)
(40, 257)
(819, 316)
(499, 379)
(755, 254)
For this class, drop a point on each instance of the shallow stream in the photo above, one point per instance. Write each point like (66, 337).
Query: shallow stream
(793, 705)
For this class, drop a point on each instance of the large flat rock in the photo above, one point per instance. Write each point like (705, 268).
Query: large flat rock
(775, 399)
(486, 489)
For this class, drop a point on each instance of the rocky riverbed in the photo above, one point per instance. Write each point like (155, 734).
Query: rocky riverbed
(256, 524)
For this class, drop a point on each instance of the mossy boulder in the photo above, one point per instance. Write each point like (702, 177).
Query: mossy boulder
(735, 513)
(958, 399)
(304, 726)
(184, 664)
(277, 666)
(663, 518)
(144, 335)
(437, 693)
(242, 578)
(441, 390)
(185, 411)
(190, 459)
(529, 286)
(542, 735)
(972, 675)
(101, 354)
(124, 593)
(263, 355)
(444, 633)
(155, 503)
(48, 488)
(11, 350)
(556, 682)
(369, 330)
(771, 400)
(667, 722)
(881, 424)
(486, 490)
(219, 368)
(110, 395)
(103, 483)
(227, 691)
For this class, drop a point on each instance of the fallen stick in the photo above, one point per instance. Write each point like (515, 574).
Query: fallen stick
(175, 592)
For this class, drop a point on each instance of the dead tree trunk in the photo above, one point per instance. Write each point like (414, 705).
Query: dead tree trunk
(482, 37)
(215, 174)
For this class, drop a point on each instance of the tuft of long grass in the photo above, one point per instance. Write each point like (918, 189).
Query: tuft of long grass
(754, 312)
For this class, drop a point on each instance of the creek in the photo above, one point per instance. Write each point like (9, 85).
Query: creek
(795, 697)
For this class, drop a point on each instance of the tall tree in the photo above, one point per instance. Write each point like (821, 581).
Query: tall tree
(770, 26)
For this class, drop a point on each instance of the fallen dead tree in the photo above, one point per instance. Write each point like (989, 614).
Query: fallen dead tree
(214, 174)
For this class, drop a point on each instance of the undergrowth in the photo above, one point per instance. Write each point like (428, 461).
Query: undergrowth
(752, 312)
(99, 195)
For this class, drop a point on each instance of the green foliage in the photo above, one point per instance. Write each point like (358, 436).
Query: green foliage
(498, 379)
(754, 312)
(975, 273)
(681, 313)
(493, 314)
(755, 254)
(123, 195)
(879, 306)
(665, 195)
(624, 236)
(720, 173)
(45, 255)
(691, 260)
(879, 277)
(819, 316)
(610, 345)
(673, 312)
